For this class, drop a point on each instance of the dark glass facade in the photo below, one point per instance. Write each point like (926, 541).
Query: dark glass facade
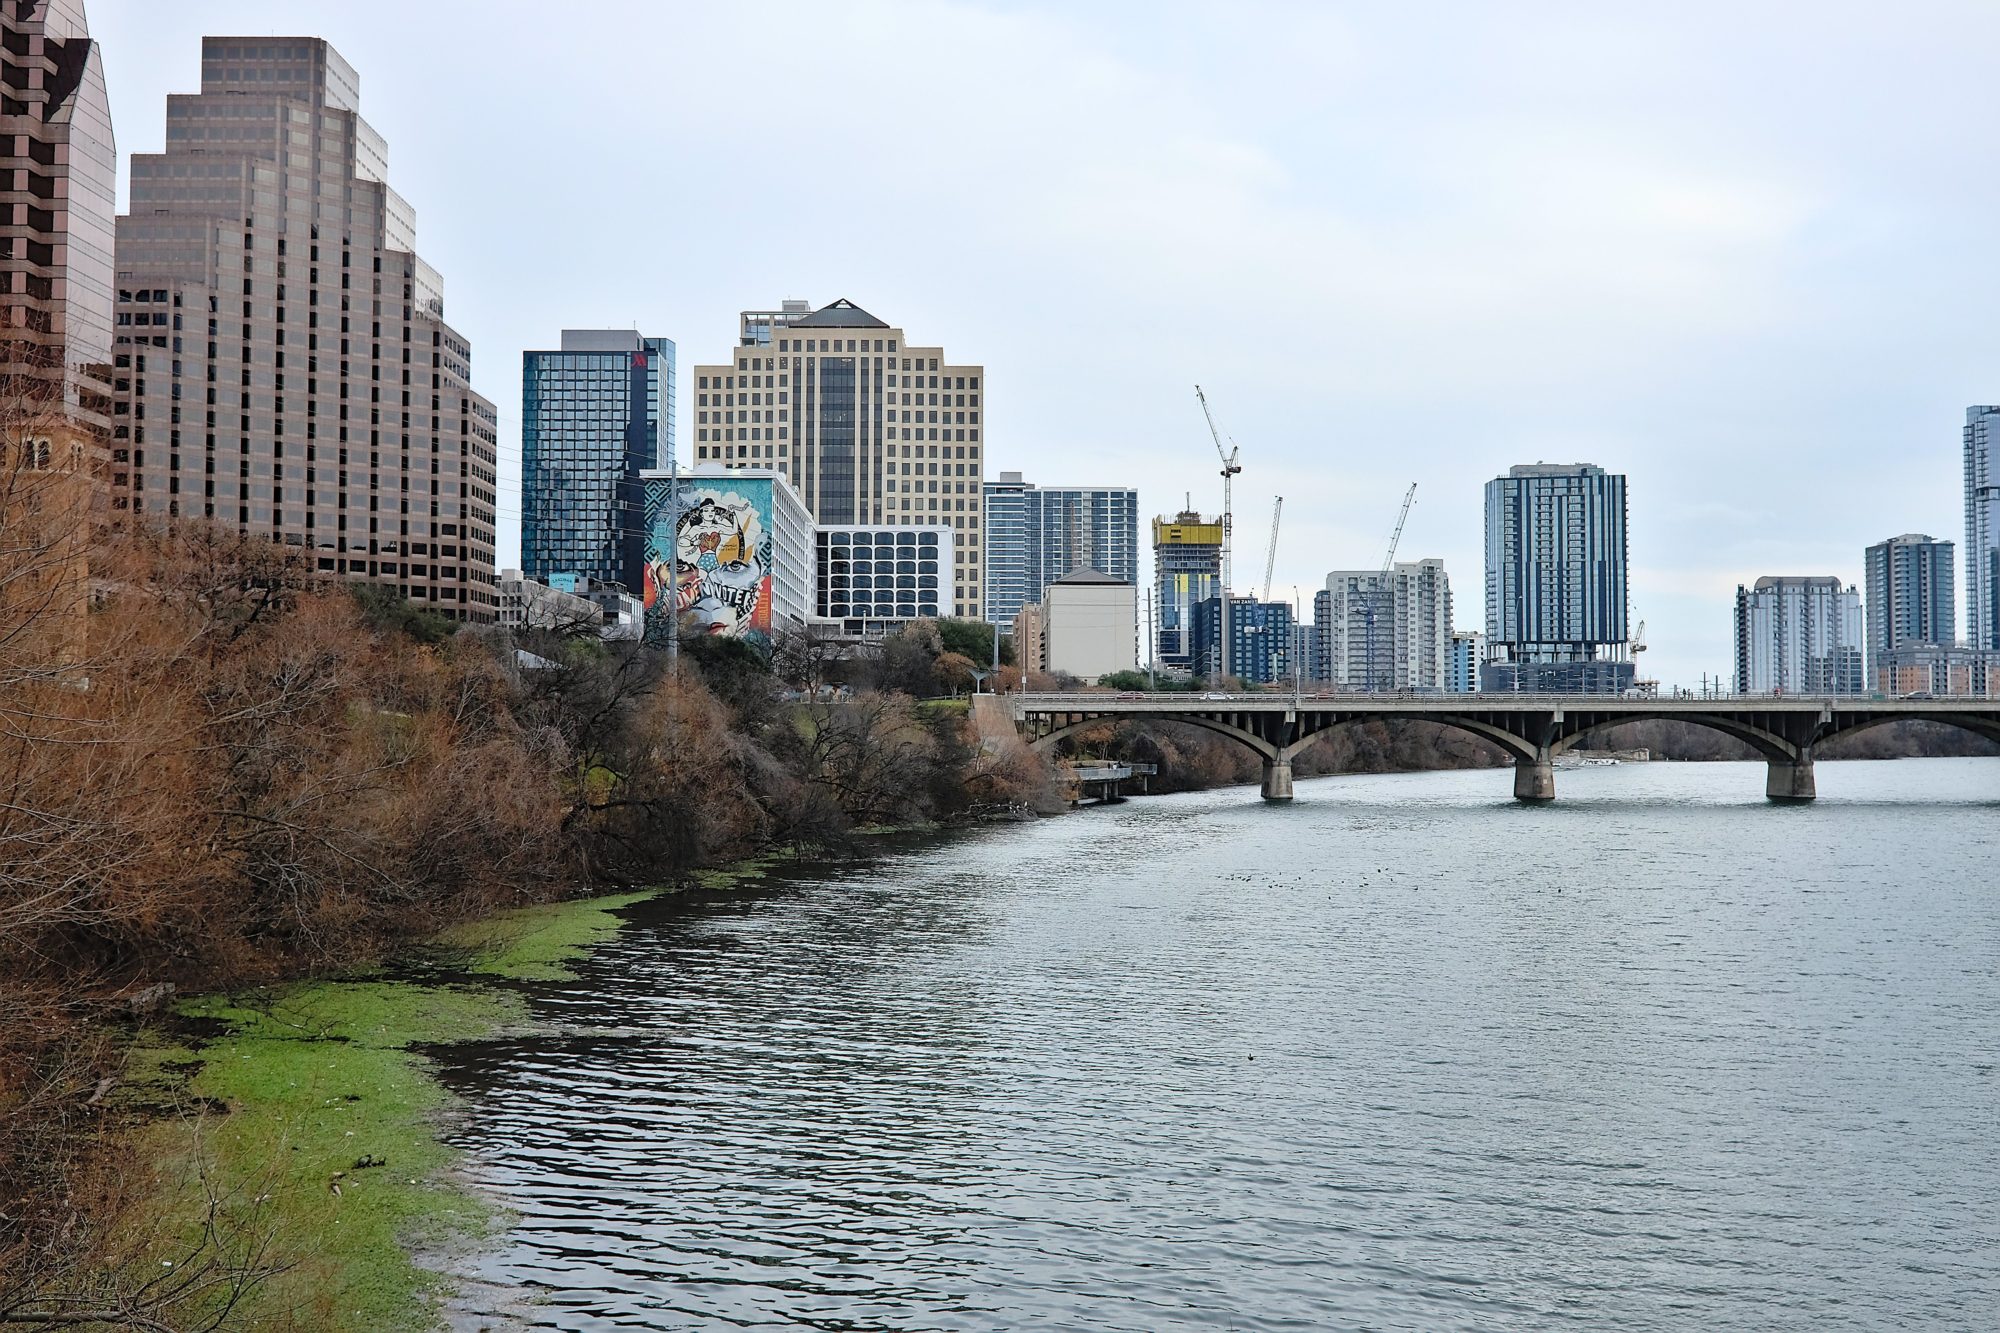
(1261, 638)
(593, 416)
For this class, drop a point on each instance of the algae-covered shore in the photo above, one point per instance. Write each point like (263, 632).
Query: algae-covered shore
(289, 1161)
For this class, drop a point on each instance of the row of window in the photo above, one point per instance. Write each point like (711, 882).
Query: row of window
(910, 380)
(889, 433)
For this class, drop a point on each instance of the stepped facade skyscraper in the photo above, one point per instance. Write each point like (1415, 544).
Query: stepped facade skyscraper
(869, 429)
(57, 207)
(283, 364)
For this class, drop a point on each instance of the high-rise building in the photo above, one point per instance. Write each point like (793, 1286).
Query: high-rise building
(1319, 643)
(57, 209)
(1037, 534)
(1187, 571)
(1982, 526)
(594, 415)
(1387, 631)
(1465, 654)
(875, 580)
(1555, 580)
(1261, 638)
(58, 192)
(1908, 594)
(869, 429)
(1798, 636)
(283, 363)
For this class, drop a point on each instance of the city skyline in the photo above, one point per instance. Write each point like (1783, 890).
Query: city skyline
(1682, 289)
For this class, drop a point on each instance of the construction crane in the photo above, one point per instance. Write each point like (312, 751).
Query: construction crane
(1382, 588)
(1271, 552)
(1396, 537)
(1634, 646)
(1230, 467)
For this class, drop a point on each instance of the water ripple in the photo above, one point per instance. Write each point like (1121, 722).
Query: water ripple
(1402, 1056)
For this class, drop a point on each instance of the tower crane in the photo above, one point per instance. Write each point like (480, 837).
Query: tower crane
(1230, 467)
(1271, 552)
(1396, 537)
(1382, 588)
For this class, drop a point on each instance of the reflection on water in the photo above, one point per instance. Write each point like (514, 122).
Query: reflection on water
(1402, 1055)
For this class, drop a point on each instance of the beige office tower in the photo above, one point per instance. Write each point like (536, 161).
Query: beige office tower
(283, 365)
(869, 429)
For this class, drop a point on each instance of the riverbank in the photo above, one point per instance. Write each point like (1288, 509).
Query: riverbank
(253, 776)
(286, 1142)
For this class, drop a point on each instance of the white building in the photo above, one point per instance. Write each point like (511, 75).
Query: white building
(1389, 631)
(1090, 625)
(741, 546)
(1799, 636)
(1982, 526)
(527, 603)
(1467, 647)
(872, 580)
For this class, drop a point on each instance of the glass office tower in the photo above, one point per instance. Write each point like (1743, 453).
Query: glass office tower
(1555, 580)
(594, 415)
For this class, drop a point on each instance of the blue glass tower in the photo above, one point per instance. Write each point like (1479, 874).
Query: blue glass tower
(593, 416)
(1036, 535)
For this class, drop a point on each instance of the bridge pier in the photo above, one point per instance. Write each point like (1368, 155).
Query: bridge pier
(1535, 779)
(1790, 780)
(1278, 778)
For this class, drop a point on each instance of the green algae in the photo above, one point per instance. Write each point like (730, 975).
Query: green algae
(537, 943)
(303, 1119)
(309, 1129)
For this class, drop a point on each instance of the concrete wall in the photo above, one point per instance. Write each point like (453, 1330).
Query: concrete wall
(1087, 628)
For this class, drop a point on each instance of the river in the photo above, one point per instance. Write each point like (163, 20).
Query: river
(1401, 1055)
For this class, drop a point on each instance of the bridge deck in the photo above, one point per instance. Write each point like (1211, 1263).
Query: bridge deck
(1530, 728)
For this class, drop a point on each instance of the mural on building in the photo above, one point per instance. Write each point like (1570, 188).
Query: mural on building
(715, 555)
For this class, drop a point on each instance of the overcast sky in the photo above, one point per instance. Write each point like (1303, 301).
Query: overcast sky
(1742, 253)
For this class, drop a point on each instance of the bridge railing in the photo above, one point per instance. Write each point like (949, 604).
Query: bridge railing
(1085, 699)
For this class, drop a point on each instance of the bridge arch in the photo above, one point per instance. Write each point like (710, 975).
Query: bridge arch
(1850, 724)
(1769, 745)
(1518, 748)
(1263, 748)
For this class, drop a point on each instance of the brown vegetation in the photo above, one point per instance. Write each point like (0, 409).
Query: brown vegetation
(225, 768)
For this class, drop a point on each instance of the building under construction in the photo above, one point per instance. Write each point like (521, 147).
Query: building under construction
(1187, 571)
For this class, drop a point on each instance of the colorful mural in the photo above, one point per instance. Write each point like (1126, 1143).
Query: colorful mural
(715, 555)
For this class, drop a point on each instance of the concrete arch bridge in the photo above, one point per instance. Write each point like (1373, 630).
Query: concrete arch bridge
(1533, 729)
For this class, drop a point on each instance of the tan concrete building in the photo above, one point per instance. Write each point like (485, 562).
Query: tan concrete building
(869, 429)
(1028, 646)
(1089, 624)
(282, 361)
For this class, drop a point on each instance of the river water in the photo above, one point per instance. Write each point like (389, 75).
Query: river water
(1402, 1055)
